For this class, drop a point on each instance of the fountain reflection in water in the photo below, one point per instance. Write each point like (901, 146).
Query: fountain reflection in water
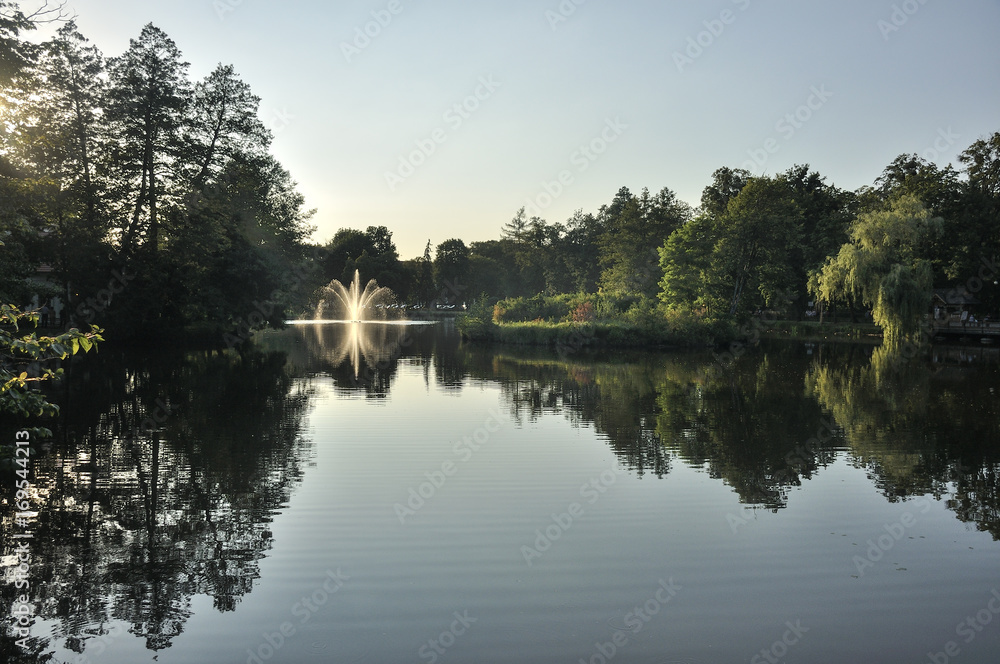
(376, 344)
(370, 331)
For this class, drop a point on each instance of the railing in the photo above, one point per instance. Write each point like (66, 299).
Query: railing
(960, 327)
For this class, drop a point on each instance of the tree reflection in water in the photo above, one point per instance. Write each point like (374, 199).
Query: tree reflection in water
(920, 427)
(138, 516)
(778, 416)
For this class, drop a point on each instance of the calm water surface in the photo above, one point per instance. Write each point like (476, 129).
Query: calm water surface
(387, 494)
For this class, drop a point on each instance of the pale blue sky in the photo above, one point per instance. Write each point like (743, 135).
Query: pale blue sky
(341, 126)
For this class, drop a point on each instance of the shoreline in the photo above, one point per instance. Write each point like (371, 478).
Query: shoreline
(569, 335)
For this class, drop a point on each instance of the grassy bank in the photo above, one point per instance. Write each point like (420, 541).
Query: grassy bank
(571, 336)
(570, 322)
(598, 320)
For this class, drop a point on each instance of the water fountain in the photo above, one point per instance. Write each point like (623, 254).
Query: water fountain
(356, 305)
(351, 306)
(362, 323)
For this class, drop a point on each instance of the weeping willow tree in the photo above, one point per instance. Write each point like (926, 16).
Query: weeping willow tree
(885, 409)
(879, 267)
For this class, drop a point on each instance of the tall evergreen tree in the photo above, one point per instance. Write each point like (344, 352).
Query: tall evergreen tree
(634, 227)
(62, 141)
(147, 101)
(222, 123)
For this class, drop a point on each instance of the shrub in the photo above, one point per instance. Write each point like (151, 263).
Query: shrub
(583, 313)
(536, 307)
(478, 322)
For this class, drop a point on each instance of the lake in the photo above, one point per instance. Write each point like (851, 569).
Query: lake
(387, 493)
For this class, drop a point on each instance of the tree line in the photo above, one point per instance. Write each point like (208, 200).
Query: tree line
(153, 202)
(149, 200)
(790, 241)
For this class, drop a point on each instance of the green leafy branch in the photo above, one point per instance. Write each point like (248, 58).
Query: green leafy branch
(25, 359)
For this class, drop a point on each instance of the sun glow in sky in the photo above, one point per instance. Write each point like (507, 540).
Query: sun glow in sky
(441, 119)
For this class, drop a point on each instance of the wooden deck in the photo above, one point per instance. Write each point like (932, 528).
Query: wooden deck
(954, 329)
